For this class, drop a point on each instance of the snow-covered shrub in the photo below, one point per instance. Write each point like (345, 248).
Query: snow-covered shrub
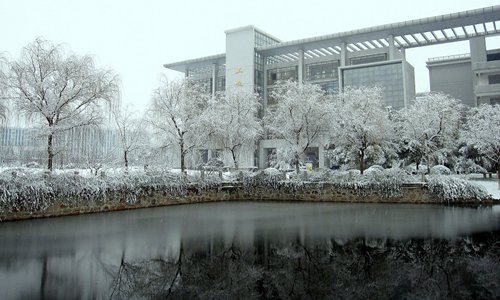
(386, 183)
(452, 189)
(33, 164)
(22, 193)
(440, 170)
(468, 166)
(412, 169)
(373, 169)
(36, 191)
(272, 172)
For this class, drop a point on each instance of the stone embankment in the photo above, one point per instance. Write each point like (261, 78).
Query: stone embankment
(307, 192)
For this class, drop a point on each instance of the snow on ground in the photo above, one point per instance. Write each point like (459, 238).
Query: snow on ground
(491, 185)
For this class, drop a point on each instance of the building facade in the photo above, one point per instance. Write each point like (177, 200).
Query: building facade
(473, 78)
(256, 60)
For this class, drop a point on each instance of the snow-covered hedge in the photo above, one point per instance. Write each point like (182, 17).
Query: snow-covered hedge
(453, 189)
(386, 182)
(36, 191)
(440, 170)
(31, 192)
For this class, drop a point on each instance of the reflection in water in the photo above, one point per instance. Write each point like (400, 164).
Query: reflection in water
(247, 250)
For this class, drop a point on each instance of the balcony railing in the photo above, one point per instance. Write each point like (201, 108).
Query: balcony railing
(487, 90)
(486, 66)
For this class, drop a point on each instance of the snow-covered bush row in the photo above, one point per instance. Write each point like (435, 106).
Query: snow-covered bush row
(452, 189)
(37, 192)
(30, 192)
(385, 182)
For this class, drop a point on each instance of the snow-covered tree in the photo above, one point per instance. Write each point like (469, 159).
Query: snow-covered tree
(299, 118)
(177, 117)
(3, 88)
(428, 129)
(59, 92)
(360, 124)
(131, 132)
(235, 123)
(482, 132)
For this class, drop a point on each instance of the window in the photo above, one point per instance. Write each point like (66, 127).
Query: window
(495, 101)
(368, 59)
(494, 79)
(221, 84)
(275, 75)
(493, 56)
(321, 71)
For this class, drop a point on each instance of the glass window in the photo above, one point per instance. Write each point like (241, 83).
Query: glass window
(494, 79)
(368, 59)
(283, 74)
(493, 56)
(389, 77)
(321, 71)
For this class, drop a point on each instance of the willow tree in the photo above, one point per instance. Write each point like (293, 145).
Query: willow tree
(59, 92)
(3, 90)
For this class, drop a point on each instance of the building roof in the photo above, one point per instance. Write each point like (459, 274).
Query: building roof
(201, 62)
(414, 33)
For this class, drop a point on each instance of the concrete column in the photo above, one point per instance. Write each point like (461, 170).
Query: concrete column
(215, 68)
(301, 66)
(477, 55)
(343, 55)
(403, 53)
(477, 49)
(392, 47)
(264, 92)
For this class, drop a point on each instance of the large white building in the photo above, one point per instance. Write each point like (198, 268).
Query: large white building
(256, 60)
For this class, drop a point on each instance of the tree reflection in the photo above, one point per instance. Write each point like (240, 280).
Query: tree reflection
(360, 268)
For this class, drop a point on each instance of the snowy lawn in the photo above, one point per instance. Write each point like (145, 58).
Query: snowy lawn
(491, 185)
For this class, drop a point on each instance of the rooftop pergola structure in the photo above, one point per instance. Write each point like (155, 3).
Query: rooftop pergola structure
(403, 35)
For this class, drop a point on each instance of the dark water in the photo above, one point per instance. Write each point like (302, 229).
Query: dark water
(256, 250)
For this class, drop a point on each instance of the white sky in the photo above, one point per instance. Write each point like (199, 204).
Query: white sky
(135, 38)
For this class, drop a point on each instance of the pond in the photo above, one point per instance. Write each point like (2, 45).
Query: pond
(256, 250)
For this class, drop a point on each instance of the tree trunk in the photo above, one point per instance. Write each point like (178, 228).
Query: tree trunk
(233, 153)
(361, 160)
(297, 167)
(183, 163)
(125, 158)
(498, 174)
(50, 151)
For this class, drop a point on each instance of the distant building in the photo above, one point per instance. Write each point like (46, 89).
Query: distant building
(81, 146)
(473, 78)
(256, 60)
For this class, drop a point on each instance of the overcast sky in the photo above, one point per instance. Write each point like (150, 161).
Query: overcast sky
(134, 38)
